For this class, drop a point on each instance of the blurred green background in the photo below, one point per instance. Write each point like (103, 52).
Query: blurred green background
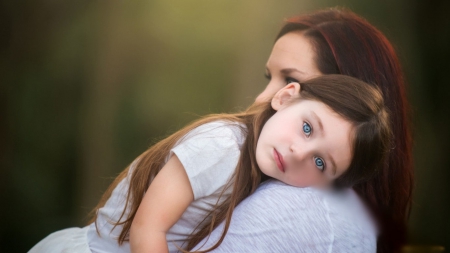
(86, 86)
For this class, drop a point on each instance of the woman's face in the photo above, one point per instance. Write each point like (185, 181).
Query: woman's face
(291, 60)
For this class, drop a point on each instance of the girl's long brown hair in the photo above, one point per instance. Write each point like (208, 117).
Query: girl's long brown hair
(356, 101)
(347, 44)
(246, 178)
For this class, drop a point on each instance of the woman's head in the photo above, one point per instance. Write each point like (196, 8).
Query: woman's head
(332, 128)
(338, 41)
(331, 41)
(292, 60)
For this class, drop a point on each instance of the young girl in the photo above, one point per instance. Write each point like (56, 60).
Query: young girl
(329, 131)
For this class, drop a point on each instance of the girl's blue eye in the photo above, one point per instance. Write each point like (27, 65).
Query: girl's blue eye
(320, 164)
(307, 129)
(291, 80)
(267, 76)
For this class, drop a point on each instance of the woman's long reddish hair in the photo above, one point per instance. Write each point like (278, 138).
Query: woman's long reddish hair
(347, 44)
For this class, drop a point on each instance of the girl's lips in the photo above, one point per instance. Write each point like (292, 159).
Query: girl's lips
(279, 160)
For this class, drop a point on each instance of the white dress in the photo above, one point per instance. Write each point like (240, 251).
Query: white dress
(209, 154)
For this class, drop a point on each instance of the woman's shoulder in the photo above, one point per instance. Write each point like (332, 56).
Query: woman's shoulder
(342, 198)
(345, 200)
(278, 187)
(283, 196)
(303, 213)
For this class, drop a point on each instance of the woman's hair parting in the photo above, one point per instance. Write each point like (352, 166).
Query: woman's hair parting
(347, 44)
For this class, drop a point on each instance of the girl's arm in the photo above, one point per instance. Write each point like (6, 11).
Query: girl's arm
(167, 197)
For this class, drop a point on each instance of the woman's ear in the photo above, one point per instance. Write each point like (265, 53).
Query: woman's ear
(284, 95)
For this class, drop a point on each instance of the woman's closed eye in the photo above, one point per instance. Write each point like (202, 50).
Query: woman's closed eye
(287, 79)
(291, 80)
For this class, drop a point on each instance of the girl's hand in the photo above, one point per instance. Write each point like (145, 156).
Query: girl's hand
(167, 197)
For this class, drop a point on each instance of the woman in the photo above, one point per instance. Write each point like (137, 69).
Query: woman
(305, 49)
(338, 41)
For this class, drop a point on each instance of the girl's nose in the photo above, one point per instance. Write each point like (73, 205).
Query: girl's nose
(300, 152)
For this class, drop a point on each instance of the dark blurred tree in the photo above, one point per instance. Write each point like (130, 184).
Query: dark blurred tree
(430, 217)
(39, 108)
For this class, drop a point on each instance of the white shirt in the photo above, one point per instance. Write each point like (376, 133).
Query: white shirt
(209, 154)
(282, 218)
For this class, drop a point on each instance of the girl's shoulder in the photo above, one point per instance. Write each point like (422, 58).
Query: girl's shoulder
(220, 129)
(209, 154)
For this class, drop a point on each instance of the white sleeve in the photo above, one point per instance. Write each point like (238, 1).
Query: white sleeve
(282, 218)
(209, 154)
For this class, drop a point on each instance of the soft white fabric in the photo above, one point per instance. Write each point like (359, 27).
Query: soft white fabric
(209, 154)
(66, 240)
(282, 218)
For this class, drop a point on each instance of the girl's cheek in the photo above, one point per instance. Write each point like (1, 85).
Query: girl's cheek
(305, 179)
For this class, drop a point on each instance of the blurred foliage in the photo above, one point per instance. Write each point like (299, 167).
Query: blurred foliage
(86, 86)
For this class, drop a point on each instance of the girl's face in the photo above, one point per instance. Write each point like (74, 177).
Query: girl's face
(291, 60)
(305, 143)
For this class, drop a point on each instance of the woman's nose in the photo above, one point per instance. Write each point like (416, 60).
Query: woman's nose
(270, 90)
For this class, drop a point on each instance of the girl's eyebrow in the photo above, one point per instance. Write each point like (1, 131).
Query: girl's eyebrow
(319, 122)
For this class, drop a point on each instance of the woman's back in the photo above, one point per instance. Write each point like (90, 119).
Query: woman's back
(282, 218)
